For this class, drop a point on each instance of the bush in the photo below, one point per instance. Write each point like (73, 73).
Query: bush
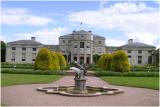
(108, 61)
(55, 61)
(120, 62)
(62, 60)
(132, 74)
(44, 60)
(101, 62)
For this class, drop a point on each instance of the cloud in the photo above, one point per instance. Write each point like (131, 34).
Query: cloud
(114, 42)
(22, 16)
(135, 20)
(45, 36)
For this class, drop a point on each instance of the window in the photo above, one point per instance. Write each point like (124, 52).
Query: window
(129, 56)
(13, 59)
(139, 59)
(149, 51)
(81, 44)
(33, 55)
(75, 58)
(33, 59)
(87, 46)
(75, 46)
(13, 48)
(13, 55)
(99, 42)
(23, 59)
(63, 41)
(139, 51)
(23, 55)
(129, 51)
(34, 49)
(23, 49)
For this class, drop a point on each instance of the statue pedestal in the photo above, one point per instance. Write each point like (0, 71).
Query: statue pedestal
(80, 86)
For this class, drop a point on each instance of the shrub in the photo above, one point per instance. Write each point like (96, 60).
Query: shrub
(96, 58)
(120, 62)
(108, 61)
(62, 60)
(55, 61)
(44, 60)
(101, 62)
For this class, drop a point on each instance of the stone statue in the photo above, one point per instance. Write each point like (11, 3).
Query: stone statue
(80, 70)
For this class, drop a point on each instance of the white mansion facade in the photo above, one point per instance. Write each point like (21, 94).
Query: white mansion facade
(79, 46)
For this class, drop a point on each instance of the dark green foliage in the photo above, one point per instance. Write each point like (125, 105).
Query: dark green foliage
(108, 61)
(96, 58)
(44, 60)
(31, 71)
(101, 62)
(120, 62)
(3, 51)
(132, 74)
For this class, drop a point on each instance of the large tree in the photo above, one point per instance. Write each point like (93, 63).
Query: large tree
(120, 62)
(44, 60)
(3, 51)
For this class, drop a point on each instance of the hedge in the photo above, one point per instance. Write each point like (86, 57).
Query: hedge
(132, 74)
(31, 71)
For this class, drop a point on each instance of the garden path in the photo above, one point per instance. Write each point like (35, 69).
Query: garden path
(26, 95)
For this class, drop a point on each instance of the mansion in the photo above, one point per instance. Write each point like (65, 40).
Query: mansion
(80, 46)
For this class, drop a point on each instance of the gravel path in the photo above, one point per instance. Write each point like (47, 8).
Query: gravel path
(26, 95)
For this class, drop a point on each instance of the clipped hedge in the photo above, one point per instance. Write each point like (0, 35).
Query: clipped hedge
(131, 74)
(17, 66)
(46, 60)
(31, 71)
(62, 60)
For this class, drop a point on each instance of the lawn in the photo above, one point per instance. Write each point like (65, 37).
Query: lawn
(17, 79)
(143, 82)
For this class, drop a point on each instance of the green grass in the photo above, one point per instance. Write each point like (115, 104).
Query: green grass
(17, 79)
(142, 82)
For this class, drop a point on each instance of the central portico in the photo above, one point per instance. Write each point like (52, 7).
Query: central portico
(80, 46)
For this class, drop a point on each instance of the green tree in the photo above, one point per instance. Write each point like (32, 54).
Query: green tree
(108, 61)
(55, 61)
(120, 62)
(62, 60)
(44, 60)
(101, 62)
(3, 51)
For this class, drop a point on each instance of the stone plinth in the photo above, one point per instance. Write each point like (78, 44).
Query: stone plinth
(80, 86)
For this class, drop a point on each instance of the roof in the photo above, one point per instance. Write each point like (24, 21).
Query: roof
(137, 45)
(66, 36)
(98, 36)
(32, 42)
(81, 32)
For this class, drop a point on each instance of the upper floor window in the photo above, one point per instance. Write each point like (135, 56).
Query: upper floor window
(139, 51)
(149, 51)
(23, 49)
(13, 48)
(64, 41)
(129, 51)
(99, 42)
(81, 44)
(34, 49)
(87, 46)
(129, 56)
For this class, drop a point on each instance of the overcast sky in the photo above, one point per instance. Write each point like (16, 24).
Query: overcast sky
(117, 21)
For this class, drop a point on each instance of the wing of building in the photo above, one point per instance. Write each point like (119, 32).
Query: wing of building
(79, 46)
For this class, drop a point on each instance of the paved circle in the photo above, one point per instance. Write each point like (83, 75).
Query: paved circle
(26, 95)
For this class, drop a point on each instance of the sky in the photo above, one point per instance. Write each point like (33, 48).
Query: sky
(117, 21)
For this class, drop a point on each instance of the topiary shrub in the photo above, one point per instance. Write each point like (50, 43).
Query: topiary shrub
(44, 60)
(62, 60)
(120, 62)
(55, 61)
(101, 61)
(108, 61)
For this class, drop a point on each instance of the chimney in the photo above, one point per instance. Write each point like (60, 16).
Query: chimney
(130, 41)
(33, 38)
